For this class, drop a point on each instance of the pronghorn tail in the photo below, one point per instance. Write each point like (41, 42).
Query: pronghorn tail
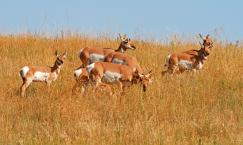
(23, 71)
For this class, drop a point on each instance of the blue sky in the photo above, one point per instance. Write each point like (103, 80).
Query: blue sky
(146, 18)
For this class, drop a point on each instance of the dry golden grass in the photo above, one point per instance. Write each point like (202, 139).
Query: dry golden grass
(192, 108)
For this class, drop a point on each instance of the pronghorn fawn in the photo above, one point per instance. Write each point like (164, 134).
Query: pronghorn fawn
(45, 74)
(102, 73)
(124, 59)
(90, 55)
(189, 60)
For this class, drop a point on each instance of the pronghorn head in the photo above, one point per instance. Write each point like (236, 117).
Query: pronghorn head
(206, 50)
(126, 43)
(207, 41)
(145, 79)
(206, 46)
(60, 59)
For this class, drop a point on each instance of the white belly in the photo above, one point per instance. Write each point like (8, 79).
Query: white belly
(96, 57)
(41, 76)
(111, 76)
(184, 64)
(118, 61)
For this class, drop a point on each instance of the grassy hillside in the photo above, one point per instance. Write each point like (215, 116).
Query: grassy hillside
(191, 108)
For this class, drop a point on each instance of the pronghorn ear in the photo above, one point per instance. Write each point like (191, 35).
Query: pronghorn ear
(149, 74)
(120, 36)
(135, 72)
(140, 75)
(65, 54)
(200, 35)
(56, 53)
(207, 36)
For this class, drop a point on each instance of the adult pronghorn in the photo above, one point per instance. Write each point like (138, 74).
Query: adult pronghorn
(90, 55)
(46, 74)
(104, 72)
(189, 60)
(124, 59)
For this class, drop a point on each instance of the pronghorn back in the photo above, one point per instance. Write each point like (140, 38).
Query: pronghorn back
(124, 59)
(90, 55)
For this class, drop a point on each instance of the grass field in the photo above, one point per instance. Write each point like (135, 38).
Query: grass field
(205, 107)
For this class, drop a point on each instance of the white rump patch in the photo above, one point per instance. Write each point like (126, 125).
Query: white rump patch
(185, 64)
(167, 60)
(90, 67)
(24, 71)
(41, 76)
(96, 57)
(78, 72)
(111, 76)
(118, 61)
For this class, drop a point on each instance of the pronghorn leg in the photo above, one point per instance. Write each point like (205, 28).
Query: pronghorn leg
(121, 87)
(173, 69)
(48, 83)
(24, 87)
(194, 70)
(181, 71)
(22, 90)
(78, 86)
(75, 88)
(164, 72)
(48, 86)
(102, 85)
(97, 81)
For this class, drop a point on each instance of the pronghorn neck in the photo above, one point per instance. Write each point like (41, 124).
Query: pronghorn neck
(120, 49)
(55, 68)
(200, 57)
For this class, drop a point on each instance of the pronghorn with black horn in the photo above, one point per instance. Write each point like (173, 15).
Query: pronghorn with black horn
(189, 60)
(45, 74)
(124, 59)
(103, 73)
(90, 55)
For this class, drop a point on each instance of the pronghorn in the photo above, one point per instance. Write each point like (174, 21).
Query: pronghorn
(124, 59)
(82, 79)
(90, 55)
(104, 72)
(46, 74)
(189, 60)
